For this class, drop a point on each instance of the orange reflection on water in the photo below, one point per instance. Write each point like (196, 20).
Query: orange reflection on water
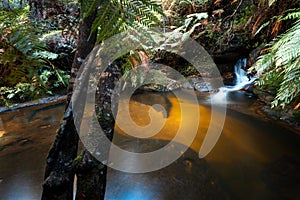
(171, 111)
(244, 150)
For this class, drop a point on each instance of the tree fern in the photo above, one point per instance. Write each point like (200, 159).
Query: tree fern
(282, 62)
(116, 16)
(19, 46)
(23, 56)
(292, 14)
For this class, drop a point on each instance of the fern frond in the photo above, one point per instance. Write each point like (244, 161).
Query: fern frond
(290, 86)
(118, 15)
(24, 55)
(282, 63)
(292, 14)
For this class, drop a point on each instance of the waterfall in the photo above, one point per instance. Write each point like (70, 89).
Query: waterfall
(242, 81)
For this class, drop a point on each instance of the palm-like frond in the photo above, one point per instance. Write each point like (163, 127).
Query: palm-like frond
(23, 56)
(282, 62)
(290, 86)
(19, 46)
(116, 16)
(292, 14)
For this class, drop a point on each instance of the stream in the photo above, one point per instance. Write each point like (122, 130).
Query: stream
(253, 158)
(25, 139)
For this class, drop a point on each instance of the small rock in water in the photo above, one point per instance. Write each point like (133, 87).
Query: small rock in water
(2, 133)
(45, 126)
(25, 142)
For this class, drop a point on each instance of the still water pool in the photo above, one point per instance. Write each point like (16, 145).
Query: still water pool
(253, 158)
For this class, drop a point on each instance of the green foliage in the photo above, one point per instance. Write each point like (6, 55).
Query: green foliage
(20, 92)
(25, 91)
(244, 15)
(176, 10)
(19, 46)
(188, 71)
(116, 16)
(291, 14)
(24, 59)
(280, 66)
(53, 78)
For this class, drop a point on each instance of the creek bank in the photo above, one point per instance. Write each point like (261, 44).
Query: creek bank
(259, 109)
(285, 117)
(47, 100)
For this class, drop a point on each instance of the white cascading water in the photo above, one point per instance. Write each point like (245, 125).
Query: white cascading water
(241, 81)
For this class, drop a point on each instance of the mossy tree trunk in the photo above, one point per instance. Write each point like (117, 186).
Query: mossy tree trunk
(59, 172)
(91, 174)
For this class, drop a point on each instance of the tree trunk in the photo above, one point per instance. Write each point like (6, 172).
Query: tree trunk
(85, 44)
(91, 174)
(59, 173)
